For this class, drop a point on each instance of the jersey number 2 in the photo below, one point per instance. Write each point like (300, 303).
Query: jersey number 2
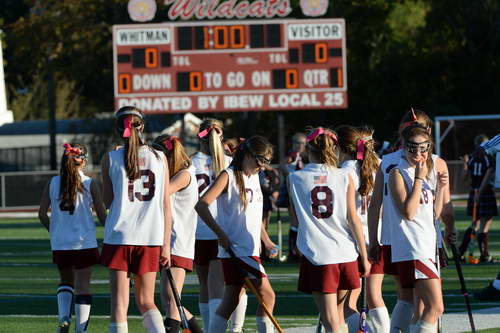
(327, 202)
(149, 185)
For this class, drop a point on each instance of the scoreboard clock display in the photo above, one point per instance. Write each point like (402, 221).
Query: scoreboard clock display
(251, 65)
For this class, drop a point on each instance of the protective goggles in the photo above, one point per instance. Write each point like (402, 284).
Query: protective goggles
(261, 160)
(417, 147)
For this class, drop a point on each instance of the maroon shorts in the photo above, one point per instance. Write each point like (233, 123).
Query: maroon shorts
(328, 278)
(205, 250)
(131, 258)
(181, 262)
(385, 264)
(412, 270)
(237, 269)
(78, 259)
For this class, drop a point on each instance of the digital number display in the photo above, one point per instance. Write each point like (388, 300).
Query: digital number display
(216, 66)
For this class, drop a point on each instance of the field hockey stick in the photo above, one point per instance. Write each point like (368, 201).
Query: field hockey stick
(250, 286)
(463, 288)
(438, 266)
(363, 324)
(182, 314)
(474, 207)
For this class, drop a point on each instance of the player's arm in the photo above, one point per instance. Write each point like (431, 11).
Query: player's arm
(492, 146)
(97, 202)
(355, 225)
(167, 218)
(447, 212)
(268, 243)
(374, 215)
(406, 203)
(179, 181)
(107, 186)
(292, 214)
(201, 207)
(44, 207)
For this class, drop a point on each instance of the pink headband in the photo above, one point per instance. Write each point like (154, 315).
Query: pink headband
(127, 125)
(169, 143)
(408, 123)
(206, 131)
(68, 150)
(319, 131)
(360, 149)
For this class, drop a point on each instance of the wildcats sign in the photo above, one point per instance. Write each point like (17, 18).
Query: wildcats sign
(231, 65)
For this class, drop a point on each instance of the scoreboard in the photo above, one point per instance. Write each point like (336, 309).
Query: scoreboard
(240, 65)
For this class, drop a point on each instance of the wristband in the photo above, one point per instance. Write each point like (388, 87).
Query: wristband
(419, 178)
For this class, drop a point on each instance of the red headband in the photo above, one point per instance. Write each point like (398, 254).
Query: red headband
(319, 131)
(127, 125)
(169, 143)
(206, 131)
(68, 150)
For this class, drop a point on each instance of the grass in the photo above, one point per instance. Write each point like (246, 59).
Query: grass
(28, 281)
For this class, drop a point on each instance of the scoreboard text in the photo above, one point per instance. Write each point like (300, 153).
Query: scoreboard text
(254, 65)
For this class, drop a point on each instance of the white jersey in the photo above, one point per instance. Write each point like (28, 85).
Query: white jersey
(242, 226)
(72, 230)
(205, 176)
(413, 239)
(362, 202)
(184, 218)
(492, 147)
(136, 214)
(389, 161)
(319, 197)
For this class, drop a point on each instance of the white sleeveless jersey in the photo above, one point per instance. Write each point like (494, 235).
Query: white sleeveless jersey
(184, 218)
(72, 230)
(362, 202)
(205, 176)
(413, 239)
(319, 198)
(242, 226)
(136, 214)
(389, 161)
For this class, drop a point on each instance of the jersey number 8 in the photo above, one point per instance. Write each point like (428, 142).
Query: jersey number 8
(327, 202)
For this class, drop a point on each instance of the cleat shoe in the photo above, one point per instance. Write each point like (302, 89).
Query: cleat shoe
(487, 260)
(488, 293)
(63, 326)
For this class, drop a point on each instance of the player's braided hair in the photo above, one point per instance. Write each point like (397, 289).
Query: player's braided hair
(129, 125)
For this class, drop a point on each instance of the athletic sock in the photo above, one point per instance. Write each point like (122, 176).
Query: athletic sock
(480, 242)
(466, 240)
(238, 317)
(64, 300)
(379, 317)
(193, 326)
(353, 322)
(423, 327)
(218, 324)
(153, 321)
(213, 304)
(205, 314)
(264, 325)
(118, 327)
(401, 316)
(83, 304)
(171, 325)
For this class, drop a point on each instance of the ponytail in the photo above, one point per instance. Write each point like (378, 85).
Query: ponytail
(210, 134)
(130, 127)
(323, 142)
(369, 161)
(173, 149)
(73, 157)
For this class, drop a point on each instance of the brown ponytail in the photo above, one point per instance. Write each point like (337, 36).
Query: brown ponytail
(256, 145)
(174, 150)
(322, 142)
(73, 157)
(130, 126)
(209, 132)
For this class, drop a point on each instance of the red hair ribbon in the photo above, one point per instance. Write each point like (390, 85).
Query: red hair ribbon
(127, 125)
(319, 131)
(169, 143)
(207, 131)
(68, 150)
(360, 149)
(408, 123)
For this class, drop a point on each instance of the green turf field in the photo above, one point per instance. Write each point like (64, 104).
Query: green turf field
(28, 281)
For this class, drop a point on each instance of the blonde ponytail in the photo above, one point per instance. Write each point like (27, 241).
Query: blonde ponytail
(210, 134)
(323, 143)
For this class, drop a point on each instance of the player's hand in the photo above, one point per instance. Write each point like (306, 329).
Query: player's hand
(421, 169)
(374, 252)
(450, 236)
(442, 178)
(165, 256)
(365, 266)
(271, 249)
(223, 241)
